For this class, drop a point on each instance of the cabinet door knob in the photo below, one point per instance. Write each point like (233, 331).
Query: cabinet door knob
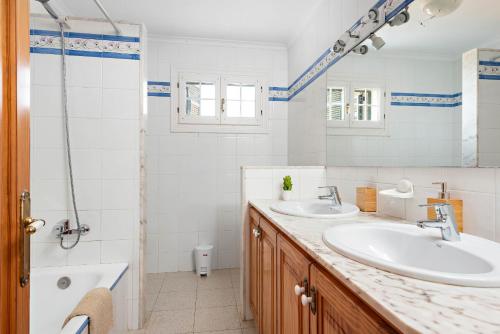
(299, 289)
(306, 300)
(256, 232)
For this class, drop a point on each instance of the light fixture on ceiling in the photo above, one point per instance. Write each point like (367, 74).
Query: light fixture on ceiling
(439, 8)
(400, 19)
(339, 46)
(360, 50)
(377, 42)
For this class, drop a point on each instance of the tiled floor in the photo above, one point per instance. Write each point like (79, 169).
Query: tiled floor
(184, 303)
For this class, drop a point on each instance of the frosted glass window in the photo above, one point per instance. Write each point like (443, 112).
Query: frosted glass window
(200, 99)
(335, 104)
(240, 100)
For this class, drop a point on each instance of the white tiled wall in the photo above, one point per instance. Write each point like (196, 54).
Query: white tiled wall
(193, 178)
(415, 136)
(104, 107)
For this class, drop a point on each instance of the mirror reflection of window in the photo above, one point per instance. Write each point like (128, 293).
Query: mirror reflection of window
(366, 104)
(240, 100)
(200, 99)
(335, 104)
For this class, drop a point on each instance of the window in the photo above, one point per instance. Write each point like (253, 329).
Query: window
(219, 103)
(355, 105)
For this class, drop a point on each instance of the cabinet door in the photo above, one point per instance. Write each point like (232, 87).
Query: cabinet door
(253, 262)
(337, 310)
(267, 278)
(293, 269)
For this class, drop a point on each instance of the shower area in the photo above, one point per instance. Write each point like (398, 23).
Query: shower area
(88, 114)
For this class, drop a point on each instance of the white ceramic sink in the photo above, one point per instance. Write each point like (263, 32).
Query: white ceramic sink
(419, 253)
(315, 209)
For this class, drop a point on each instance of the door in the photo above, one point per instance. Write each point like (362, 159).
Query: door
(253, 252)
(293, 271)
(14, 161)
(334, 309)
(267, 278)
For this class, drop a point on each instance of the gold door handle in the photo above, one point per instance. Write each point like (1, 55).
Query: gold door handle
(27, 226)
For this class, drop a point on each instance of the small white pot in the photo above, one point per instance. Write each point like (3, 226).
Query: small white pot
(286, 195)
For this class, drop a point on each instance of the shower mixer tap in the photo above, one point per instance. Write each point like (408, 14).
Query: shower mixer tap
(62, 228)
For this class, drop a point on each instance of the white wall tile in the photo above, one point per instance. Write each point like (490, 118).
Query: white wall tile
(84, 71)
(85, 253)
(123, 74)
(117, 224)
(120, 103)
(113, 251)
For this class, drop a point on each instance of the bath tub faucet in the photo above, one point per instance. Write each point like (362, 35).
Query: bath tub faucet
(334, 196)
(62, 228)
(445, 221)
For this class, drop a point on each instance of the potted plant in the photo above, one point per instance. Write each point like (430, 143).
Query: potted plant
(287, 188)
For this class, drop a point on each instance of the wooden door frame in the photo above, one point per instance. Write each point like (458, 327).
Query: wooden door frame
(14, 159)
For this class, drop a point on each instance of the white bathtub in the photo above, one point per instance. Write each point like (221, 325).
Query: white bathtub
(49, 305)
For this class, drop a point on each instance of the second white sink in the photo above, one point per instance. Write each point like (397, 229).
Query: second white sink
(315, 209)
(419, 253)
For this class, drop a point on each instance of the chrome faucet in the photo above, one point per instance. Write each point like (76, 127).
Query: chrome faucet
(334, 196)
(445, 221)
(62, 229)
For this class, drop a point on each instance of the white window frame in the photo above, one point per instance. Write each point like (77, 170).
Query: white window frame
(198, 77)
(350, 126)
(225, 119)
(180, 122)
(345, 86)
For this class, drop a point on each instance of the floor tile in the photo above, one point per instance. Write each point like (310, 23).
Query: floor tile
(175, 300)
(179, 283)
(219, 279)
(216, 319)
(155, 276)
(153, 286)
(170, 322)
(150, 301)
(237, 296)
(251, 330)
(215, 298)
(248, 324)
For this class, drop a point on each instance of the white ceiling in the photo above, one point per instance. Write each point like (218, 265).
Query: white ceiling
(271, 21)
(476, 23)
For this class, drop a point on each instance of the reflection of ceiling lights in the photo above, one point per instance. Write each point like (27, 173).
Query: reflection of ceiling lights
(377, 42)
(438, 8)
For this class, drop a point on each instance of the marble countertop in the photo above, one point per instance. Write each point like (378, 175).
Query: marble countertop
(414, 306)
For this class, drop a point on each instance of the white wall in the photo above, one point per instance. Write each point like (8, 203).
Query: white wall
(105, 108)
(193, 178)
(415, 136)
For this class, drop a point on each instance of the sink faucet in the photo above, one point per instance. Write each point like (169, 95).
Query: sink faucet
(445, 221)
(334, 196)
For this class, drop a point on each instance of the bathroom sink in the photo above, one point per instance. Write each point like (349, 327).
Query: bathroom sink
(419, 253)
(315, 209)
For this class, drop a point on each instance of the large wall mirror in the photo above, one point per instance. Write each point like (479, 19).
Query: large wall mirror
(419, 94)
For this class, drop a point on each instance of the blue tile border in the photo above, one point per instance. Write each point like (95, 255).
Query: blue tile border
(85, 44)
(489, 70)
(159, 88)
(426, 100)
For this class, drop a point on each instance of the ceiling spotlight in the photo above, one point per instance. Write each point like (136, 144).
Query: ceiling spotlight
(377, 42)
(360, 50)
(339, 46)
(400, 19)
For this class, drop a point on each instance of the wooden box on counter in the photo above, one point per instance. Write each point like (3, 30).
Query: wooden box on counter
(366, 199)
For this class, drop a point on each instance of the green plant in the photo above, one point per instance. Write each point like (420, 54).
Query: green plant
(287, 183)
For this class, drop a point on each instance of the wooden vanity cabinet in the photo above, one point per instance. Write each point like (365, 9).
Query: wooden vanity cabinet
(281, 274)
(263, 268)
(293, 270)
(338, 310)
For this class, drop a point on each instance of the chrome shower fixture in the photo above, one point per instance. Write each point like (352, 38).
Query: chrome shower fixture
(400, 19)
(53, 14)
(377, 42)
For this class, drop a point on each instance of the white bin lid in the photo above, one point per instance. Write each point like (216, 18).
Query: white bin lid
(204, 247)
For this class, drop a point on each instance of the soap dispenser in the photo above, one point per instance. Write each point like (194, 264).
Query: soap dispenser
(444, 197)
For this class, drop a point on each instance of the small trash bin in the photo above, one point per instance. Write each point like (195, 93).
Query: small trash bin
(203, 258)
